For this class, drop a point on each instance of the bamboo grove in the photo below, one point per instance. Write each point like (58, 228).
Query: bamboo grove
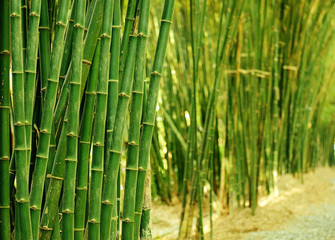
(107, 103)
(249, 98)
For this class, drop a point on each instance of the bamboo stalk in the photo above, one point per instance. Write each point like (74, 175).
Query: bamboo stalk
(5, 230)
(44, 47)
(135, 124)
(112, 167)
(149, 115)
(21, 164)
(85, 146)
(71, 158)
(94, 211)
(130, 18)
(47, 118)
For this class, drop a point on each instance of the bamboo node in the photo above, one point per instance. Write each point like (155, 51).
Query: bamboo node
(14, 14)
(113, 80)
(93, 220)
(156, 73)
(71, 134)
(4, 207)
(44, 131)
(67, 211)
(137, 92)
(79, 229)
(4, 158)
(115, 151)
(22, 200)
(167, 21)
(131, 169)
(140, 34)
(291, 68)
(116, 26)
(60, 23)
(54, 177)
(133, 143)
(34, 14)
(106, 202)
(86, 62)
(34, 207)
(105, 35)
(18, 124)
(127, 220)
(4, 52)
(98, 144)
(141, 169)
(123, 94)
(149, 124)
(45, 228)
(77, 25)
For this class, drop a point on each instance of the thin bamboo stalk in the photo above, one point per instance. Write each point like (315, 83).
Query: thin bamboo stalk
(113, 165)
(44, 47)
(149, 115)
(94, 211)
(135, 124)
(130, 18)
(5, 230)
(85, 146)
(47, 117)
(71, 158)
(21, 164)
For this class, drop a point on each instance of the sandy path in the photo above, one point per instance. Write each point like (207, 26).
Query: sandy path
(299, 211)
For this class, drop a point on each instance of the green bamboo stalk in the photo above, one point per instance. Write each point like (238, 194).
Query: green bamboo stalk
(113, 80)
(130, 18)
(276, 93)
(51, 158)
(85, 146)
(44, 47)
(5, 230)
(112, 167)
(149, 116)
(91, 40)
(51, 206)
(47, 117)
(67, 45)
(21, 164)
(73, 124)
(90, 44)
(24, 27)
(30, 73)
(135, 124)
(196, 42)
(94, 210)
(62, 103)
(113, 90)
(145, 232)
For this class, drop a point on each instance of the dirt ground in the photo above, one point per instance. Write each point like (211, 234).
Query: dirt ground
(298, 211)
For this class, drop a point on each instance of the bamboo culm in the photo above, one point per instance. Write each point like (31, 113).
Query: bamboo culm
(94, 211)
(5, 230)
(149, 115)
(71, 158)
(128, 216)
(23, 228)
